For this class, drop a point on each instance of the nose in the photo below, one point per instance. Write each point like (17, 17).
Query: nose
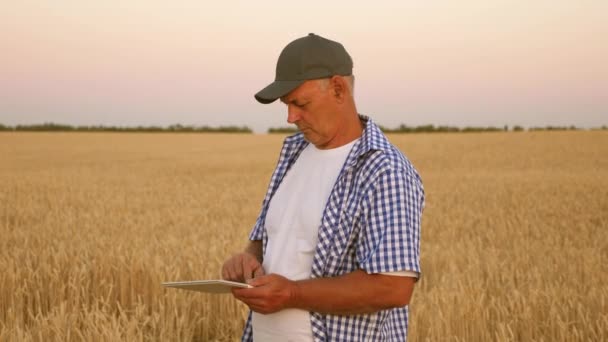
(293, 114)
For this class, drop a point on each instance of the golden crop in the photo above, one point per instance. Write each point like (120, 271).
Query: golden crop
(514, 236)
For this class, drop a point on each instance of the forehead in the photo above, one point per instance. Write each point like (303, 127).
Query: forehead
(304, 92)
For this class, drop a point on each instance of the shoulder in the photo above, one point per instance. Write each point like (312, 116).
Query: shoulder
(380, 159)
(389, 173)
(393, 161)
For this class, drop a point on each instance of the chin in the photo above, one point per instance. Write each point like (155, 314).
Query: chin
(308, 138)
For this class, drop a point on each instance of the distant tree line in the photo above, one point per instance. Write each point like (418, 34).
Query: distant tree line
(449, 129)
(558, 128)
(452, 129)
(53, 127)
(282, 130)
(439, 129)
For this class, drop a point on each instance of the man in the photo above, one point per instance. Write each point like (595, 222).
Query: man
(334, 253)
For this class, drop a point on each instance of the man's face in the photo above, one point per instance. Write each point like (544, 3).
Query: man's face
(311, 107)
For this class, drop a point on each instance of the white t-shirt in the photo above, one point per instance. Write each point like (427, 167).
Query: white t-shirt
(292, 224)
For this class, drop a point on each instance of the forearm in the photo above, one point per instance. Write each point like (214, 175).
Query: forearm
(353, 293)
(254, 247)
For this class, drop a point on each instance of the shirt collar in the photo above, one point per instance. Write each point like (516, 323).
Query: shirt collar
(372, 139)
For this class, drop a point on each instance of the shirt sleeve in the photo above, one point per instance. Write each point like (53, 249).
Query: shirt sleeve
(389, 240)
(257, 232)
(402, 274)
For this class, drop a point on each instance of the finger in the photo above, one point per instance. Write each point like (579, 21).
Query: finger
(237, 293)
(229, 275)
(235, 270)
(259, 281)
(261, 309)
(258, 302)
(259, 306)
(248, 268)
(225, 273)
(259, 271)
(232, 270)
(237, 274)
(245, 295)
(250, 292)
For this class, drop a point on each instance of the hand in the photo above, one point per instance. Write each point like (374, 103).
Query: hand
(271, 293)
(242, 267)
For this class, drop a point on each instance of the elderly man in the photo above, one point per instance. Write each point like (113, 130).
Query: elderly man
(334, 254)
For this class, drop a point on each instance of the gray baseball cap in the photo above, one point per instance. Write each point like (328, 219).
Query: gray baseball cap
(307, 58)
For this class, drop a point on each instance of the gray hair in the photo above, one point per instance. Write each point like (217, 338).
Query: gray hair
(350, 81)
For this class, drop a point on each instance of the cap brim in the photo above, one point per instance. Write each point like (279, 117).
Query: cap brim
(275, 90)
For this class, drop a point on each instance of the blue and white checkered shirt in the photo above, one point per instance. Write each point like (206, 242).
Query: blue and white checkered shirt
(371, 222)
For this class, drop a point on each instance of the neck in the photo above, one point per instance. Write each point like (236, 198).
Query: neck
(351, 129)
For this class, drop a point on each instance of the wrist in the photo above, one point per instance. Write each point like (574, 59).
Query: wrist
(295, 294)
(255, 249)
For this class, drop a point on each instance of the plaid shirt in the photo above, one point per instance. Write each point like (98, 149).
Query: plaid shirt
(371, 222)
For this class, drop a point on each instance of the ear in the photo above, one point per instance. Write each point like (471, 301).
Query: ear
(339, 88)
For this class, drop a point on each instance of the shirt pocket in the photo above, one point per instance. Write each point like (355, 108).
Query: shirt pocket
(305, 246)
(343, 235)
(305, 256)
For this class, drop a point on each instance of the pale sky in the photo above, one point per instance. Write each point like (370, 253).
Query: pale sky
(147, 62)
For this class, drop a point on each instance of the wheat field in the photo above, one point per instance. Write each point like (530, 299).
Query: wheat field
(514, 234)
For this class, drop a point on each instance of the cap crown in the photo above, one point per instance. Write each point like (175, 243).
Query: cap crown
(313, 57)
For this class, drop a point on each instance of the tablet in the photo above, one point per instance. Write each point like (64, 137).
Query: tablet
(210, 286)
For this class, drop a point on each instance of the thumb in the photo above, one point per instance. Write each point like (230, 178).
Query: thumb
(258, 281)
(259, 271)
(249, 268)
